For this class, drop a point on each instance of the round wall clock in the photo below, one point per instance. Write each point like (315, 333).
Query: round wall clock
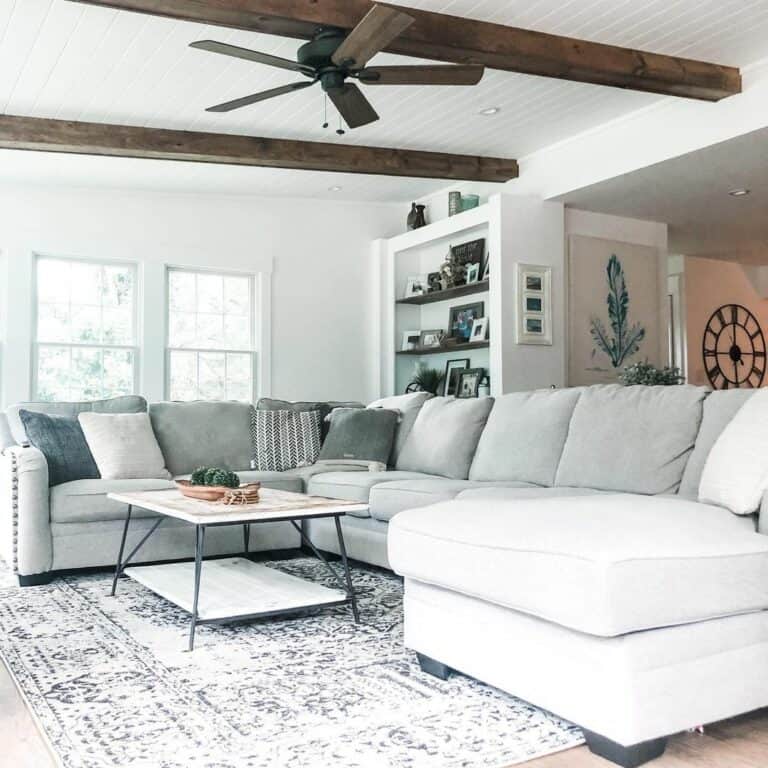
(734, 348)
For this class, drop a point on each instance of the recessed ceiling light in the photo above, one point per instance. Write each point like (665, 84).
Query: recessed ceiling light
(738, 192)
(490, 111)
(334, 189)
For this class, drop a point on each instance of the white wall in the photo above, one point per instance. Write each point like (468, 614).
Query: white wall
(314, 255)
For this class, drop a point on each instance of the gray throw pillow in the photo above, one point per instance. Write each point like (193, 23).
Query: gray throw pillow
(270, 404)
(62, 442)
(360, 435)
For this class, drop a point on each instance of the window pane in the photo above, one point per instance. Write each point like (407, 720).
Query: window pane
(183, 375)
(182, 291)
(210, 293)
(239, 377)
(210, 331)
(85, 305)
(211, 376)
(237, 332)
(182, 329)
(237, 296)
(83, 373)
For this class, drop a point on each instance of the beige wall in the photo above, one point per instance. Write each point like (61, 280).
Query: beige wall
(709, 284)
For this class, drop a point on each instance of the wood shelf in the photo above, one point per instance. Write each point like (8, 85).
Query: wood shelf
(443, 350)
(449, 293)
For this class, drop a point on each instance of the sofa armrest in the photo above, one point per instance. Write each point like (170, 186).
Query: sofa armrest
(25, 523)
(762, 515)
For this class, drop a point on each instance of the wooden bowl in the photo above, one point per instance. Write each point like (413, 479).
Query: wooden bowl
(201, 492)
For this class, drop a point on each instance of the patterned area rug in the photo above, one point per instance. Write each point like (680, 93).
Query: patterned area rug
(111, 684)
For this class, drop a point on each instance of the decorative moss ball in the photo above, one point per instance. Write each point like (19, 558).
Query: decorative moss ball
(215, 476)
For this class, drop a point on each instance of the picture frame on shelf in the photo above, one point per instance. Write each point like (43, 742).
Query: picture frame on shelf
(534, 304)
(469, 382)
(434, 283)
(473, 273)
(410, 340)
(415, 285)
(431, 339)
(460, 319)
(453, 369)
(487, 268)
(471, 252)
(479, 330)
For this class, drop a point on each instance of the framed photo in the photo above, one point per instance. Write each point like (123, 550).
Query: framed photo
(461, 318)
(534, 304)
(479, 329)
(469, 382)
(469, 253)
(430, 339)
(415, 285)
(473, 273)
(410, 340)
(453, 369)
(434, 283)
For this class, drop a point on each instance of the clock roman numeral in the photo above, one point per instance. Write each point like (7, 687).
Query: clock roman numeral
(721, 316)
(734, 314)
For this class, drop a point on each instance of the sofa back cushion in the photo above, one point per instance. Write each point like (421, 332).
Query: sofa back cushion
(203, 433)
(324, 408)
(125, 404)
(719, 408)
(408, 406)
(631, 439)
(444, 436)
(524, 437)
(735, 473)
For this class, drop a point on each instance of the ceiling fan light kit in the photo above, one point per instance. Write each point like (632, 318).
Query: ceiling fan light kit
(333, 57)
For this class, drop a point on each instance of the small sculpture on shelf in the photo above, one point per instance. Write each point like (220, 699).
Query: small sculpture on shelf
(416, 218)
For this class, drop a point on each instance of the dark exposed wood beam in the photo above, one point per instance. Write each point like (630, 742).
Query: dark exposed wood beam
(31, 133)
(464, 41)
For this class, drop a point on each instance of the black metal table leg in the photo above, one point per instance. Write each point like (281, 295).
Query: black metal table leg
(199, 545)
(350, 589)
(246, 537)
(119, 566)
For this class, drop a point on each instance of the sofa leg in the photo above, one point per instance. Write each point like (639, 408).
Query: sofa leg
(35, 580)
(432, 667)
(627, 757)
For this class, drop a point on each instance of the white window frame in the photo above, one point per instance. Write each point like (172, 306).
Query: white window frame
(253, 351)
(36, 344)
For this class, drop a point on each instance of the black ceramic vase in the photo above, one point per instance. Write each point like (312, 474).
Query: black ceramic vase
(416, 217)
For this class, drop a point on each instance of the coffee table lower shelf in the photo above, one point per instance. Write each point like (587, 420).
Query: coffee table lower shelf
(235, 589)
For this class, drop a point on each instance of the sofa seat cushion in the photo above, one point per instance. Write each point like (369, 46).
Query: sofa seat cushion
(355, 486)
(631, 439)
(500, 492)
(387, 499)
(85, 501)
(605, 565)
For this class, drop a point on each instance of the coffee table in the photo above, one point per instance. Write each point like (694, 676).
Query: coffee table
(236, 589)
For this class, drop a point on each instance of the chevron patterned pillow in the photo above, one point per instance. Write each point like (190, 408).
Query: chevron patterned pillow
(284, 439)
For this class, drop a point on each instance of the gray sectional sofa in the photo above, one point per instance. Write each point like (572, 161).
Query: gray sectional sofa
(551, 543)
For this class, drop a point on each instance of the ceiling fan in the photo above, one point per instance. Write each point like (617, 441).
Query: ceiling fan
(333, 56)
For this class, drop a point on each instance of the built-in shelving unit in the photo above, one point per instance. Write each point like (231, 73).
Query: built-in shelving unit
(515, 229)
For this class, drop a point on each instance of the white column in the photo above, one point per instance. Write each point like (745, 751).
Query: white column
(152, 330)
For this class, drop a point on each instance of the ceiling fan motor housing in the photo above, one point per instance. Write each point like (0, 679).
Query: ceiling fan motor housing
(318, 51)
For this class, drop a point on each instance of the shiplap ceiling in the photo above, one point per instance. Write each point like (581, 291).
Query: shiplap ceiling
(71, 61)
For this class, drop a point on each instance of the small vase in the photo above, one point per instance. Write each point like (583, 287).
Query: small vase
(421, 220)
(454, 203)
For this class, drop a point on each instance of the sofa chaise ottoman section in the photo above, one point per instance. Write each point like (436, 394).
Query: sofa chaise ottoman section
(605, 565)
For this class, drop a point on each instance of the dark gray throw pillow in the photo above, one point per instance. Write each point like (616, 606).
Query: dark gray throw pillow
(62, 442)
(360, 435)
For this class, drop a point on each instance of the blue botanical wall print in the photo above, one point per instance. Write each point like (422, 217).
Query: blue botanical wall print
(623, 340)
(615, 312)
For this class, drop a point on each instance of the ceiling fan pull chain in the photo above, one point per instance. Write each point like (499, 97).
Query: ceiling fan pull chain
(340, 130)
(325, 110)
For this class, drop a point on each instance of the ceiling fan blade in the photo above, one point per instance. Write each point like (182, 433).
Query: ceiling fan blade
(380, 26)
(228, 106)
(245, 53)
(353, 106)
(422, 75)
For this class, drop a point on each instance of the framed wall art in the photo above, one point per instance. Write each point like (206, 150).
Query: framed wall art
(534, 304)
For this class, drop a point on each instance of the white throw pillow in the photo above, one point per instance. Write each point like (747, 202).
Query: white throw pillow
(736, 471)
(124, 446)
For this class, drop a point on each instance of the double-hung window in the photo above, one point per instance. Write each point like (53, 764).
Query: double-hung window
(85, 329)
(211, 324)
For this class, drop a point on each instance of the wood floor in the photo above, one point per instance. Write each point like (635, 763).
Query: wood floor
(738, 743)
